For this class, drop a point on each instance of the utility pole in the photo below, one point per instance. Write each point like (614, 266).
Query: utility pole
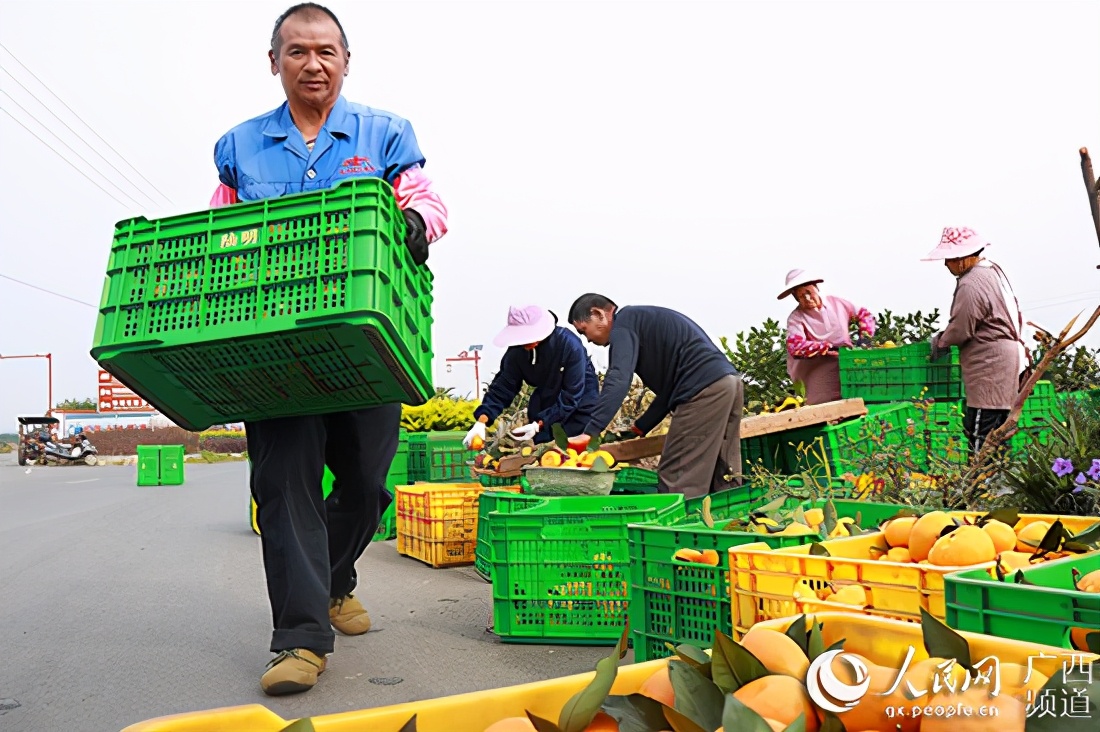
(49, 376)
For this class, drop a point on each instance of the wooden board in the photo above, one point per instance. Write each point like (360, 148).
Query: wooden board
(754, 426)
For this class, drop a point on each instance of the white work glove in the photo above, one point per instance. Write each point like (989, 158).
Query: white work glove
(477, 430)
(526, 432)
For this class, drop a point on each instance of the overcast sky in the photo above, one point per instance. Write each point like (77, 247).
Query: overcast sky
(671, 153)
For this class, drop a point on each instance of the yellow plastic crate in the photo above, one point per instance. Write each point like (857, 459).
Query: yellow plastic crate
(471, 712)
(763, 579)
(886, 642)
(437, 522)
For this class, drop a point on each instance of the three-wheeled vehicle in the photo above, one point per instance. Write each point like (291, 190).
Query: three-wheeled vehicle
(39, 444)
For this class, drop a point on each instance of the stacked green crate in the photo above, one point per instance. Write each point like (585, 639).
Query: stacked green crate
(160, 465)
(439, 457)
(493, 504)
(899, 374)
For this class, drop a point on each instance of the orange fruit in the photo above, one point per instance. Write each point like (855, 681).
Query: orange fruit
(602, 723)
(899, 554)
(963, 547)
(1090, 582)
(512, 724)
(550, 459)
(688, 555)
(776, 651)
(1028, 538)
(870, 712)
(658, 687)
(779, 697)
(1013, 560)
(1012, 677)
(925, 533)
(1004, 538)
(709, 556)
(897, 531)
(1010, 713)
(924, 679)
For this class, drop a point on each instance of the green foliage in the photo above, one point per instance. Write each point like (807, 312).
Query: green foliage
(903, 329)
(441, 413)
(1072, 370)
(761, 356)
(83, 404)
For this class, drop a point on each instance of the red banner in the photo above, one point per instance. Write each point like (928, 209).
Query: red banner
(114, 397)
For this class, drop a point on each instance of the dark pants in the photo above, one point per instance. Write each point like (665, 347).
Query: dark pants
(978, 423)
(703, 444)
(310, 545)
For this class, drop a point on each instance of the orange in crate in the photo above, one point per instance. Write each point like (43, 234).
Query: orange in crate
(437, 522)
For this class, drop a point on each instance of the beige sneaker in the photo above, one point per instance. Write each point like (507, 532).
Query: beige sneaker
(348, 615)
(292, 671)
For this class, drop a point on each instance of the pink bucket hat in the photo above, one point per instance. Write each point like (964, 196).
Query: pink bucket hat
(796, 278)
(526, 325)
(956, 243)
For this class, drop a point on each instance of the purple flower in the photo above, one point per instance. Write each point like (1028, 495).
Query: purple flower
(1080, 479)
(1078, 489)
(1094, 471)
(1062, 467)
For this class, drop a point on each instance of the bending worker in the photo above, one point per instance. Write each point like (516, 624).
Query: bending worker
(815, 329)
(312, 141)
(550, 358)
(690, 377)
(987, 325)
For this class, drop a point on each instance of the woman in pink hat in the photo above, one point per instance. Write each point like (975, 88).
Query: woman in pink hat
(815, 330)
(554, 361)
(987, 326)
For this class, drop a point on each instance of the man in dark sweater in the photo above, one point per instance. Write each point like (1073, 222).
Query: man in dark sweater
(690, 377)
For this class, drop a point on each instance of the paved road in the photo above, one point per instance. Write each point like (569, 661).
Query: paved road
(119, 604)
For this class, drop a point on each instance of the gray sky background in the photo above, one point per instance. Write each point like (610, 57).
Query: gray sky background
(673, 153)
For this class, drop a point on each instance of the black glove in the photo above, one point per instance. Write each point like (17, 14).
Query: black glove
(416, 238)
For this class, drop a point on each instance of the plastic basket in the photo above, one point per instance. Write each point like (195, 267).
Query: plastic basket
(500, 503)
(437, 524)
(439, 457)
(632, 480)
(305, 304)
(762, 581)
(561, 569)
(899, 374)
(1045, 610)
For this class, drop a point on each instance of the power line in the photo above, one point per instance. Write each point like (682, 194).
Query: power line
(79, 137)
(43, 289)
(73, 112)
(70, 162)
(112, 183)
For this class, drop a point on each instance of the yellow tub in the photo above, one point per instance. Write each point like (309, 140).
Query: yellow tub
(462, 713)
(762, 579)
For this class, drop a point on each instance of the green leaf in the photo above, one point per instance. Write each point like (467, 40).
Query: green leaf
(797, 632)
(306, 725)
(636, 713)
(1079, 548)
(1052, 540)
(737, 716)
(818, 550)
(943, 642)
(410, 726)
(799, 516)
(1064, 686)
(680, 723)
(903, 513)
(838, 646)
(708, 518)
(798, 725)
(560, 438)
(1090, 535)
(947, 530)
(690, 654)
(829, 512)
(594, 443)
(1019, 578)
(542, 725)
(1092, 640)
(721, 668)
(815, 644)
(579, 711)
(746, 667)
(697, 697)
(1010, 516)
(599, 465)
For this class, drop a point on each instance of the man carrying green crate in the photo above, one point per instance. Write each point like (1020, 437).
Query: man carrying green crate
(691, 378)
(310, 545)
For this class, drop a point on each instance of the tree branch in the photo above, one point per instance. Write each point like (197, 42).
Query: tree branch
(1093, 187)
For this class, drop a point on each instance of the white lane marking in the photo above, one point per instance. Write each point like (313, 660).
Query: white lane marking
(74, 482)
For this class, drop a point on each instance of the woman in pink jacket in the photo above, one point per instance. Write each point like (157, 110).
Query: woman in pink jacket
(815, 330)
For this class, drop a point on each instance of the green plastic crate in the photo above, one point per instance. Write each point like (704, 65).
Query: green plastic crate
(171, 464)
(681, 602)
(1043, 611)
(899, 374)
(632, 480)
(493, 504)
(764, 450)
(305, 304)
(561, 570)
(439, 457)
(148, 465)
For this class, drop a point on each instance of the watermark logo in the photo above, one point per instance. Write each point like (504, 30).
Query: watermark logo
(829, 692)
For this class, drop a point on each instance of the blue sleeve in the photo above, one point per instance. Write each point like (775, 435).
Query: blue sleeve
(572, 385)
(402, 150)
(502, 391)
(225, 160)
(622, 361)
